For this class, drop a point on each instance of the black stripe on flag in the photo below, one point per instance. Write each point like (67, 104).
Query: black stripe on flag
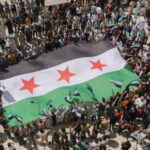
(47, 60)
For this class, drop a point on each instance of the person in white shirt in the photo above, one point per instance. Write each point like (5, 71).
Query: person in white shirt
(114, 40)
(79, 10)
(43, 135)
(147, 58)
(2, 29)
(40, 19)
(18, 8)
(120, 46)
(140, 102)
(95, 143)
(11, 43)
(138, 5)
(93, 9)
(113, 16)
(139, 136)
(11, 146)
(98, 10)
(95, 17)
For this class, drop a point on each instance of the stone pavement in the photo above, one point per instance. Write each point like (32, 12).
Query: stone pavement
(113, 144)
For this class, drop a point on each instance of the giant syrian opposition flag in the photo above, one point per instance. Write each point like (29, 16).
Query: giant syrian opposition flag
(68, 76)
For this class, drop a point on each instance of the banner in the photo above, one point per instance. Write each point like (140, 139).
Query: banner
(56, 2)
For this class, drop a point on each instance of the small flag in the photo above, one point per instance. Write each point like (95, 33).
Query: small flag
(122, 18)
(90, 88)
(135, 46)
(74, 93)
(135, 83)
(113, 28)
(19, 119)
(117, 83)
(49, 104)
(137, 12)
(111, 25)
(128, 36)
(69, 99)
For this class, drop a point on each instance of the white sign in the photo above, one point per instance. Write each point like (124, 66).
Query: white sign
(55, 2)
(47, 2)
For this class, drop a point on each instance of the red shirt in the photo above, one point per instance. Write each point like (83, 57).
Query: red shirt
(133, 65)
(109, 7)
(118, 114)
(148, 67)
(131, 128)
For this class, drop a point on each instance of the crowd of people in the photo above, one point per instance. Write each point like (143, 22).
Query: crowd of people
(34, 29)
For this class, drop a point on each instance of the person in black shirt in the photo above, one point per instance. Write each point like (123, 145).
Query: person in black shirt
(42, 2)
(1, 147)
(2, 13)
(37, 2)
(9, 26)
(13, 8)
(48, 46)
(53, 116)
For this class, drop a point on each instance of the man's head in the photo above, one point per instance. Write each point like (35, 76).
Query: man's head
(9, 144)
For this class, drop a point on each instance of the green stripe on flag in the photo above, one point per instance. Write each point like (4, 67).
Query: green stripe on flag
(101, 85)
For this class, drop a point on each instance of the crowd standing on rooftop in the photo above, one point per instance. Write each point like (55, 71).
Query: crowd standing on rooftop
(34, 28)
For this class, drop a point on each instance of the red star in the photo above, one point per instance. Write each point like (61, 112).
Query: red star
(29, 85)
(65, 75)
(97, 65)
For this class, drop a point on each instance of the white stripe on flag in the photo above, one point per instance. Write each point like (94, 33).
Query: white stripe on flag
(48, 78)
